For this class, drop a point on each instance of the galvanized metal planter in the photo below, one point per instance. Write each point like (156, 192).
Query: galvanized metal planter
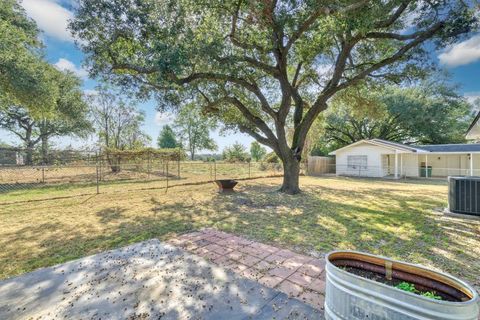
(352, 297)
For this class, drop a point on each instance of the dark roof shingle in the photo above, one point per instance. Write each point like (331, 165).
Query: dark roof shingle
(465, 147)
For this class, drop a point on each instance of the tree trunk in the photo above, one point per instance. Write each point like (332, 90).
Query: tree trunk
(291, 175)
(44, 150)
(29, 156)
(29, 145)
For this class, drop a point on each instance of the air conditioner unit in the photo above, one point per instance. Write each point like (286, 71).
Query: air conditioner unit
(464, 195)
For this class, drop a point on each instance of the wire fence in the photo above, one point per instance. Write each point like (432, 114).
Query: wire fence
(102, 177)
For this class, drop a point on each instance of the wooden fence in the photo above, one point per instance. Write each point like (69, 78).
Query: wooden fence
(320, 165)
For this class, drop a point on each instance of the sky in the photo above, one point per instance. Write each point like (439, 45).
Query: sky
(462, 61)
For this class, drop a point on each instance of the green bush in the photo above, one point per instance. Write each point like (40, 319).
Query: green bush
(272, 158)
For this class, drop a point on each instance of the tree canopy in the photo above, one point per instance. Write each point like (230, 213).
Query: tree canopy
(166, 139)
(117, 120)
(25, 77)
(263, 67)
(428, 113)
(235, 153)
(257, 152)
(67, 117)
(194, 128)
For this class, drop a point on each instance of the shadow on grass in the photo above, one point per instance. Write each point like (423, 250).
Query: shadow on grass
(394, 221)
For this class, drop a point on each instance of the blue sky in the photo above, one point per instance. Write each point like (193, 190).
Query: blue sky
(461, 60)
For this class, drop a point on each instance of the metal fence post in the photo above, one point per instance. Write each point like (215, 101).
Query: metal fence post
(148, 167)
(100, 161)
(214, 170)
(211, 171)
(249, 165)
(178, 168)
(43, 174)
(167, 178)
(98, 173)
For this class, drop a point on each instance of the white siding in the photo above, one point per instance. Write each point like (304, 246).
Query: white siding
(374, 160)
(411, 165)
(451, 164)
(381, 162)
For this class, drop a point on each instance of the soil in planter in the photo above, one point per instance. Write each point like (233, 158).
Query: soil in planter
(379, 277)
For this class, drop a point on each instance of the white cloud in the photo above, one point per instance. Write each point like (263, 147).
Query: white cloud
(472, 97)
(51, 17)
(163, 118)
(64, 64)
(462, 53)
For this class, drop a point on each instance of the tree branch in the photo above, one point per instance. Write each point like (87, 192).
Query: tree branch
(397, 56)
(315, 15)
(394, 17)
(239, 81)
(320, 103)
(237, 42)
(271, 70)
(391, 35)
(257, 136)
(254, 120)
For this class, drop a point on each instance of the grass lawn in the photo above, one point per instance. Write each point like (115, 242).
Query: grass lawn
(396, 219)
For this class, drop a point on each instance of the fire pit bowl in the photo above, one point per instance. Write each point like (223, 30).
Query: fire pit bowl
(225, 185)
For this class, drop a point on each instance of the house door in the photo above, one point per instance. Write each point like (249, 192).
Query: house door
(386, 164)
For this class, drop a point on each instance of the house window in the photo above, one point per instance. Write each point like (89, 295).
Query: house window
(357, 162)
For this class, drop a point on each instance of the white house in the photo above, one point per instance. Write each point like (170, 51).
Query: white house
(381, 158)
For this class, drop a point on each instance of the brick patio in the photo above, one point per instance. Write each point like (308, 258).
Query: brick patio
(297, 275)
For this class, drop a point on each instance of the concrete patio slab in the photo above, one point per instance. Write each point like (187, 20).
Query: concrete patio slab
(148, 280)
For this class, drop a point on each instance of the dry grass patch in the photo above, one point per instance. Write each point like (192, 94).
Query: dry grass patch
(396, 219)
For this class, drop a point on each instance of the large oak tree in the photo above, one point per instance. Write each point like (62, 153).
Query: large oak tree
(263, 67)
(67, 117)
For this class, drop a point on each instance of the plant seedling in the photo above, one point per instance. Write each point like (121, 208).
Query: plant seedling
(410, 287)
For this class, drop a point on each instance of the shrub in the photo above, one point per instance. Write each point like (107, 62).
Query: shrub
(272, 158)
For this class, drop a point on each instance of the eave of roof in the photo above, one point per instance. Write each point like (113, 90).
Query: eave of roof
(474, 123)
(382, 143)
(399, 146)
(426, 149)
(447, 148)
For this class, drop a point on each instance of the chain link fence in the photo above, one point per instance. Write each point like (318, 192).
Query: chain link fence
(102, 177)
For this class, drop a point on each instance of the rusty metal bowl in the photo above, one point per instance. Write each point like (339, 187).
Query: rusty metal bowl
(226, 184)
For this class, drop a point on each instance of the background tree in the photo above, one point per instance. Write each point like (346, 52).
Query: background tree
(235, 153)
(194, 128)
(24, 74)
(263, 66)
(257, 152)
(166, 138)
(69, 117)
(18, 121)
(272, 158)
(429, 113)
(117, 122)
